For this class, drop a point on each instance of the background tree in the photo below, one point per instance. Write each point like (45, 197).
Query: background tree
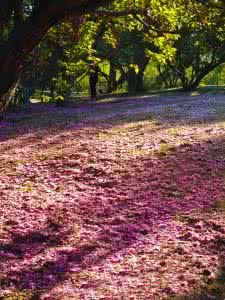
(135, 33)
(197, 55)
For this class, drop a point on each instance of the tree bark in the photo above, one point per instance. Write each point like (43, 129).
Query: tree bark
(6, 99)
(136, 80)
(132, 81)
(112, 83)
(140, 77)
(93, 81)
(193, 84)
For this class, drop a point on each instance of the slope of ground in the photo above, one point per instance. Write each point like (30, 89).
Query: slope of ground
(113, 200)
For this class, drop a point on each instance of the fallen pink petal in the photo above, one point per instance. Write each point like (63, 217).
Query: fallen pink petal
(97, 209)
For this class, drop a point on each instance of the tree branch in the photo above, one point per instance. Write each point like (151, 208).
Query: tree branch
(149, 26)
(106, 12)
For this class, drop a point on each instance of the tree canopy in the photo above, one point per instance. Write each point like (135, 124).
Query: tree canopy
(128, 34)
(23, 24)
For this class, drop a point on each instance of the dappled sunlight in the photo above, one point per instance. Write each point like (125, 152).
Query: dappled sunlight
(109, 216)
(112, 210)
(112, 142)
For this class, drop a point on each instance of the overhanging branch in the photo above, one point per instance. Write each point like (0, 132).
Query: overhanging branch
(106, 12)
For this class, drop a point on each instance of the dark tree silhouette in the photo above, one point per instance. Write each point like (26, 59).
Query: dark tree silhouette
(26, 23)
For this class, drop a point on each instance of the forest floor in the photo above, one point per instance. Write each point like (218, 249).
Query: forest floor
(116, 200)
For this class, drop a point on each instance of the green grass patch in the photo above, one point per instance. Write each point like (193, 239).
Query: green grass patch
(21, 296)
(174, 131)
(220, 204)
(122, 119)
(163, 150)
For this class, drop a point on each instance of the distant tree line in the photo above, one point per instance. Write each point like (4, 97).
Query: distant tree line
(55, 46)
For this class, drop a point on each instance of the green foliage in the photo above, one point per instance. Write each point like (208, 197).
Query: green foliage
(61, 85)
(59, 100)
(185, 38)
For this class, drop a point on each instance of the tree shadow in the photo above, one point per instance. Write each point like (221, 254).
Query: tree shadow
(171, 110)
(31, 243)
(127, 207)
(39, 279)
(22, 247)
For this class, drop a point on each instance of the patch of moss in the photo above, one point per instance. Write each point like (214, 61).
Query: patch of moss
(220, 204)
(163, 150)
(195, 94)
(20, 296)
(27, 187)
(174, 131)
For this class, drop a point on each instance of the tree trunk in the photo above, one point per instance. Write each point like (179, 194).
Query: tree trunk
(140, 80)
(112, 83)
(6, 98)
(13, 55)
(193, 84)
(93, 81)
(136, 80)
(190, 87)
(132, 81)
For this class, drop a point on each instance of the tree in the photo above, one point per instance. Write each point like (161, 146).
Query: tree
(128, 57)
(197, 55)
(198, 46)
(166, 77)
(23, 25)
(25, 22)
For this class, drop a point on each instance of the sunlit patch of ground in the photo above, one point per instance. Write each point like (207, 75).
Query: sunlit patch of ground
(114, 201)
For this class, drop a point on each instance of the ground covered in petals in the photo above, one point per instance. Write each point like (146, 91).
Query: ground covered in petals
(116, 200)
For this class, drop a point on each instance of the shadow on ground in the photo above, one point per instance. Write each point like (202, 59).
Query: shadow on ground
(170, 109)
(126, 207)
